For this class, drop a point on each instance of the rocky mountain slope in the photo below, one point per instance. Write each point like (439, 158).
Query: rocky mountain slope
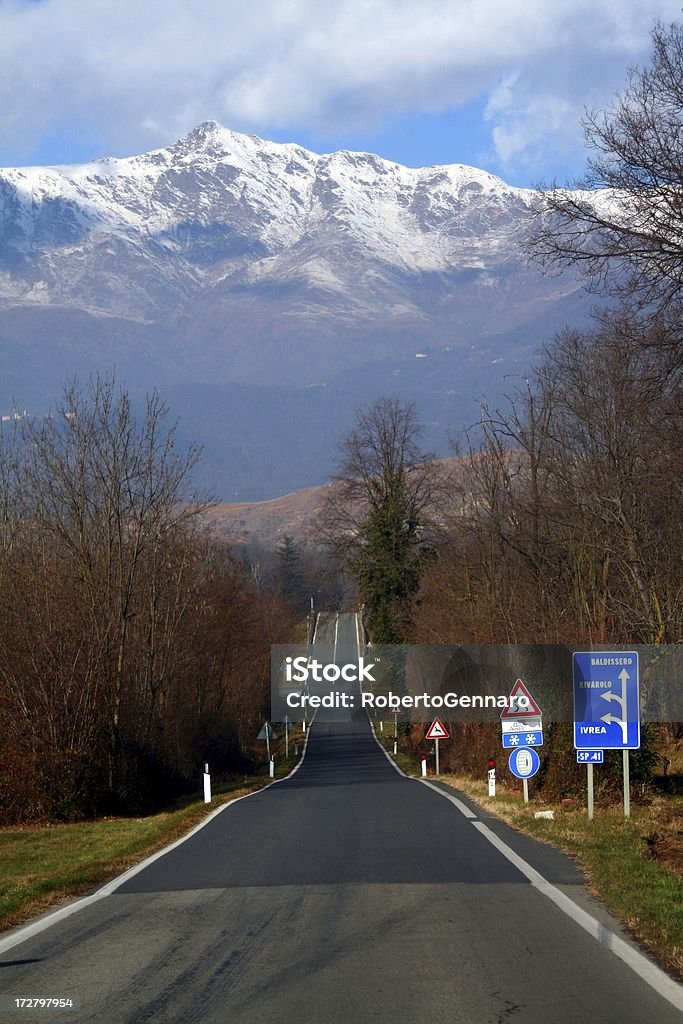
(225, 260)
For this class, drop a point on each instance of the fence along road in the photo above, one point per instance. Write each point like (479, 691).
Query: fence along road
(346, 893)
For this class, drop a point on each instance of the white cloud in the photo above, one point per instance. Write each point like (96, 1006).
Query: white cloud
(136, 74)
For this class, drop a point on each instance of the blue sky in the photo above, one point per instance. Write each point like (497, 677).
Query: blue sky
(500, 84)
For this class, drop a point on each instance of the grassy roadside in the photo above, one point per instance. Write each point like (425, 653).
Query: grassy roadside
(42, 866)
(616, 856)
(632, 866)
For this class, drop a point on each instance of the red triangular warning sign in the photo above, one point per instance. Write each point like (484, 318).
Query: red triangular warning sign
(437, 731)
(520, 703)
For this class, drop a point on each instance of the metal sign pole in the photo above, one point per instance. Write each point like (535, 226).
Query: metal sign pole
(437, 757)
(268, 742)
(627, 784)
(525, 784)
(589, 769)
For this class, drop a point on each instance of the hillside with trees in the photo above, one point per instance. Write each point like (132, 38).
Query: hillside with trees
(134, 646)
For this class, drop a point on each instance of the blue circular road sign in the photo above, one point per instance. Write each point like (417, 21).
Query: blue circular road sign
(524, 762)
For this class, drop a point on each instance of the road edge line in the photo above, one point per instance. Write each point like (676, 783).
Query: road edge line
(462, 807)
(653, 975)
(650, 972)
(28, 931)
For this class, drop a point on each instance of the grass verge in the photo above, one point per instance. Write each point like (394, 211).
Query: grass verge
(41, 866)
(616, 855)
(633, 866)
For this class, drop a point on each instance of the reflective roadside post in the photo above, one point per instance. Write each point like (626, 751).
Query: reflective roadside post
(492, 776)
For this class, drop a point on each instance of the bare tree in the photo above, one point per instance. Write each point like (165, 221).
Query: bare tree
(627, 240)
(564, 518)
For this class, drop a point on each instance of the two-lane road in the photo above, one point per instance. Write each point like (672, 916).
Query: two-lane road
(346, 893)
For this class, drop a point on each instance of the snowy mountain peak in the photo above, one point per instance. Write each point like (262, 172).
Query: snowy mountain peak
(257, 201)
(241, 259)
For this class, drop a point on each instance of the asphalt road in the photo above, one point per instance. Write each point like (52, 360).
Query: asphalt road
(343, 895)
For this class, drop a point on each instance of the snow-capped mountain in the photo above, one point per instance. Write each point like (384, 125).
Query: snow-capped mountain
(225, 258)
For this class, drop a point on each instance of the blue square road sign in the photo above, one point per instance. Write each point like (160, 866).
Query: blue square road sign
(606, 700)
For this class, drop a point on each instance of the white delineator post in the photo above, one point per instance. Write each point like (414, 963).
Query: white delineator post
(424, 767)
(271, 764)
(207, 785)
(492, 781)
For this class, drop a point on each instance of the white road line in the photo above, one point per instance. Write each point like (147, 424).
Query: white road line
(36, 927)
(653, 975)
(463, 808)
(385, 751)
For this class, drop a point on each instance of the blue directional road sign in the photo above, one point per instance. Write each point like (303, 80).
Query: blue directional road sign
(524, 762)
(522, 739)
(606, 700)
(590, 756)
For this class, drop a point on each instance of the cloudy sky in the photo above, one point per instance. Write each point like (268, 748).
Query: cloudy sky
(496, 83)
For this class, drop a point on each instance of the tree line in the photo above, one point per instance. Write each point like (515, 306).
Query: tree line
(133, 646)
(560, 517)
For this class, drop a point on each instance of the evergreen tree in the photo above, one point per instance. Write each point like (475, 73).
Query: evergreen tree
(290, 572)
(375, 513)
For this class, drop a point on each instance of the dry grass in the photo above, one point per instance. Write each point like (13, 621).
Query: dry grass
(635, 867)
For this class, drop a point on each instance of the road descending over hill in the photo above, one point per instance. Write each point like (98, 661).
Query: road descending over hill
(345, 894)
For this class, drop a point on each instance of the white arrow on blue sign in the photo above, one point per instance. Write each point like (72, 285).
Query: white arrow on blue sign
(512, 740)
(606, 700)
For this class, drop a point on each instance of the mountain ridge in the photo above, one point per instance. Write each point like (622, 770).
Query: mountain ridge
(224, 260)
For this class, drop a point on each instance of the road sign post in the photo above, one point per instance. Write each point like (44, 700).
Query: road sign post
(524, 762)
(590, 758)
(605, 681)
(287, 726)
(267, 733)
(437, 731)
(522, 725)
